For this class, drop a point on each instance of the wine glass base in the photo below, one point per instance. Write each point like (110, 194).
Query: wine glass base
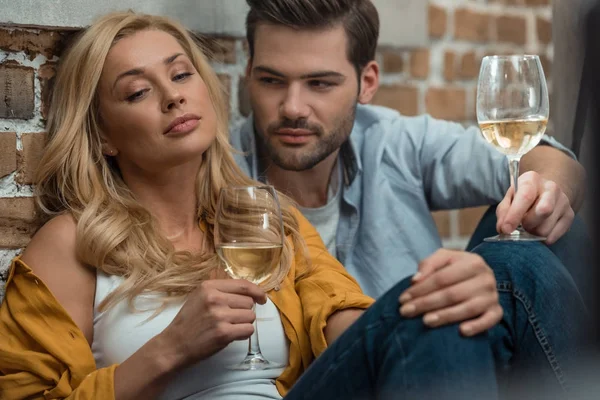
(255, 362)
(517, 235)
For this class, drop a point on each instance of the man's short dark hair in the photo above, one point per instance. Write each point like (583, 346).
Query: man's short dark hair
(359, 18)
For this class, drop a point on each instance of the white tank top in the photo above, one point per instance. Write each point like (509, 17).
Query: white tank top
(118, 333)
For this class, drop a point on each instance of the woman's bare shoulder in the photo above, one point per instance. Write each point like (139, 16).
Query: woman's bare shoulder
(54, 241)
(51, 255)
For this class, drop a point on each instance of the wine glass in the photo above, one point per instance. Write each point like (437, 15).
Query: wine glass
(249, 240)
(512, 112)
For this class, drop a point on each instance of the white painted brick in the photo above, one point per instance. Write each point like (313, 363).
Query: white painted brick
(6, 257)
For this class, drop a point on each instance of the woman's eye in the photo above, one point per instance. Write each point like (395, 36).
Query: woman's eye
(180, 77)
(137, 95)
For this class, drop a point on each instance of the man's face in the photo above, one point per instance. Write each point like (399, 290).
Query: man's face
(303, 92)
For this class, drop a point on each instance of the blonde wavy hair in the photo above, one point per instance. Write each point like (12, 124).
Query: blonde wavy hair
(115, 234)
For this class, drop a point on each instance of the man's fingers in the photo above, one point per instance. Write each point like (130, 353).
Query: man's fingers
(486, 321)
(467, 310)
(437, 260)
(561, 208)
(543, 210)
(562, 226)
(443, 278)
(503, 208)
(523, 200)
(448, 298)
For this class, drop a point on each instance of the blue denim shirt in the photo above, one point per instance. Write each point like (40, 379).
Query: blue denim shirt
(397, 170)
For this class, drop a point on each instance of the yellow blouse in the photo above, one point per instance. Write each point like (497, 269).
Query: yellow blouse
(44, 355)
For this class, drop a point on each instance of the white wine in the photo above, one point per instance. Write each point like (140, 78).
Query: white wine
(514, 137)
(254, 262)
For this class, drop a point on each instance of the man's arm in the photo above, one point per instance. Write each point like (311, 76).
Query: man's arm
(555, 165)
(460, 169)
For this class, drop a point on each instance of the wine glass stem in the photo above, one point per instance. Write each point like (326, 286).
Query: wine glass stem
(253, 345)
(513, 165)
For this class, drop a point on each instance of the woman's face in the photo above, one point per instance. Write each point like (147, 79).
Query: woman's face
(155, 109)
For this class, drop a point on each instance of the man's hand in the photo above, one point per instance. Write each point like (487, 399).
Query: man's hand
(454, 286)
(540, 206)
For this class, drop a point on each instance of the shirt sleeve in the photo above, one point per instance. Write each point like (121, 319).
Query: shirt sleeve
(43, 354)
(458, 167)
(323, 286)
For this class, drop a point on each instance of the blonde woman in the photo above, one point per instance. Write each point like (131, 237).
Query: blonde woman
(120, 294)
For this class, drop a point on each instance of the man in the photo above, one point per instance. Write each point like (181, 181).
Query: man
(367, 177)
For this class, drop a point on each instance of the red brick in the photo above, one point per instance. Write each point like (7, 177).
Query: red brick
(45, 75)
(419, 63)
(220, 50)
(492, 51)
(447, 103)
(33, 42)
(472, 111)
(17, 208)
(442, 222)
(393, 61)
(469, 65)
(17, 92)
(403, 98)
(469, 219)
(438, 21)
(15, 235)
(511, 29)
(33, 147)
(471, 25)
(8, 153)
(546, 65)
(537, 2)
(17, 222)
(450, 66)
(544, 30)
(246, 48)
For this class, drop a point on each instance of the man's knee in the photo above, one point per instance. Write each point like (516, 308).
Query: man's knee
(530, 261)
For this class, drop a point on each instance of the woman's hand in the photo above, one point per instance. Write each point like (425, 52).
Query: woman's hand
(214, 315)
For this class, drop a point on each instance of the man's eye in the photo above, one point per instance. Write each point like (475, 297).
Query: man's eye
(270, 81)
(320, 84)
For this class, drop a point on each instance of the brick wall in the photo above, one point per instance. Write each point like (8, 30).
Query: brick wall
(439, 80)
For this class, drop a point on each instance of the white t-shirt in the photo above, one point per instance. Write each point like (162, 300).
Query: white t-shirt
(325, 219)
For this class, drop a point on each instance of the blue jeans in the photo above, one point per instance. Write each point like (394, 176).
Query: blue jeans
(385, 356)
(543, 334)
(532, 353)
(574, 250)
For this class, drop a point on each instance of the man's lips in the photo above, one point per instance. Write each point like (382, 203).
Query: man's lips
(294, 132)
(294, 136)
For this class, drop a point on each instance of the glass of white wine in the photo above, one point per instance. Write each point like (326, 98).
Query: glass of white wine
(249, 240)
(512, 112)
